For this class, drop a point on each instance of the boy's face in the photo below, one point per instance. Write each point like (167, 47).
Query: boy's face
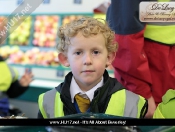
(87, 58)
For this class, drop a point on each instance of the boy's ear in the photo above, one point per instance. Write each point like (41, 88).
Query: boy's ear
(63, 59)
(110, 58)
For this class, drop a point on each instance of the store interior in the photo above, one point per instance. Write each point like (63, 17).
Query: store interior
(32, 44)
(28, 41)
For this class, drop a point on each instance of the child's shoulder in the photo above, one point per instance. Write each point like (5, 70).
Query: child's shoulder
(51, 92)
(166, 108)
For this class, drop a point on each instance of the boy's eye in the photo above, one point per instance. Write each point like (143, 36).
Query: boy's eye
(78, 53)
(96, 52)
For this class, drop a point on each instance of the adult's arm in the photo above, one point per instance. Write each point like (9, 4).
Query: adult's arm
(16, 90)
(131, 64)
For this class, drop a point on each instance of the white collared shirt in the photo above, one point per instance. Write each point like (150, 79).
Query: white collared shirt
(75, 89)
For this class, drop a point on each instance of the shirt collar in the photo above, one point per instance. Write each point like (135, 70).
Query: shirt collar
(75, 89)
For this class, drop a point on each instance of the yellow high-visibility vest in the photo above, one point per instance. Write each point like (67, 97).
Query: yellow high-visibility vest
(8, 76)
(166, 109)
(163, 32)
(130, 104)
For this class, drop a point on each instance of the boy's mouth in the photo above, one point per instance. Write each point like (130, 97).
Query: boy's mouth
(88, 71)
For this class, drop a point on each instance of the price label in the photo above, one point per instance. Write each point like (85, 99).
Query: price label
(46, 1)
(77, 1)
(60, 73)
(19, 2)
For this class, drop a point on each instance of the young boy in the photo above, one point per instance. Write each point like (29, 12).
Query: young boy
(87, 46)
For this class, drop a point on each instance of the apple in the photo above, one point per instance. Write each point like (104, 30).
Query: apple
(3, 23)
(33, 56)
(45, 31)
(20, 36)
(68, 19)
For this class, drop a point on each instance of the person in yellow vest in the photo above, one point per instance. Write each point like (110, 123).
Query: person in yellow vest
(10, 85)
(87, 46)
(166, 109)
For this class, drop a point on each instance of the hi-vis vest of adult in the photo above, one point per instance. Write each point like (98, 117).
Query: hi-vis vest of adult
(122, 103)
(7, 76)
(163, 32)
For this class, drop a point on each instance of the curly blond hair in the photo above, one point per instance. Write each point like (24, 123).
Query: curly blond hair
(88, 26)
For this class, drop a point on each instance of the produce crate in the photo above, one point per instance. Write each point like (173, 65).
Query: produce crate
(3, 23)
(32, 40)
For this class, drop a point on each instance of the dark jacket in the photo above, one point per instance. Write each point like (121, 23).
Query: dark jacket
(101, 95)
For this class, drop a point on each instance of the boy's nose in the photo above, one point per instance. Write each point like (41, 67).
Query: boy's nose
(87, 59)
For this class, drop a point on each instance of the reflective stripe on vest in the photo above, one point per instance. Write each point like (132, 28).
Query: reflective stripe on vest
(163, 32)
(130, 104)
(8, 75)
(51, 106)
(14, 73)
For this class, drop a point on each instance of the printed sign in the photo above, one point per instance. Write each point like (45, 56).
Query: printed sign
(60, 73)
(157, 11)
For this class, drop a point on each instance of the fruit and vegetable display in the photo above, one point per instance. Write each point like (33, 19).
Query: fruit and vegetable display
(20, 35)
(45, 31)
(68, 19)
(3, 23)
(35, 32)
(34, 56)
(6, 51)
(40, 30)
